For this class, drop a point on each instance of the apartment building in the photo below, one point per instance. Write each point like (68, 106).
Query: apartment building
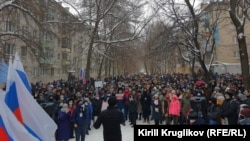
(226, 51)
(49, 39)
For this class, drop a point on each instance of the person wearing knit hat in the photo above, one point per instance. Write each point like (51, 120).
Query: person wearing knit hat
(111, 119)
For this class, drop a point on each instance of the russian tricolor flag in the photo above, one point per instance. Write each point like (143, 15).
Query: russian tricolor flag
(25, 108)
(82, 76)
(18, 66)
(10, 128)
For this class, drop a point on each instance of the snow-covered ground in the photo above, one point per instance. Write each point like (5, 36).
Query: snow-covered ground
(127, 133)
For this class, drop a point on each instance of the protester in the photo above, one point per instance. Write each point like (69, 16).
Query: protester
(111, 119)
(64, 124)
(132, 109)
(230, 109)
(156, 109)
(146, 104)
(80, 121)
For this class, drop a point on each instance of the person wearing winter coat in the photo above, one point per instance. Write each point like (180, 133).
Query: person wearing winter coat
(244, 115)
(89, 109)
(80, 120)
(165, 108)
(146, 105)
(230, 108)
(156, 109)
(64, 124)
(111, 119)
(174, 108)
(132, 109)
(185, 107)
(214, 111)
(97, 106)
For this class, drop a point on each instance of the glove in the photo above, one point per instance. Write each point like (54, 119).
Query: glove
(124, 124)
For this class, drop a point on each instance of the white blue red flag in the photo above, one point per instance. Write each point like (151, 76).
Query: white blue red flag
(82, 76)
(10, 127)
(25, 108)
(18, 66)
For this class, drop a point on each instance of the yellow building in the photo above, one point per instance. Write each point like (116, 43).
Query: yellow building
(226, 50)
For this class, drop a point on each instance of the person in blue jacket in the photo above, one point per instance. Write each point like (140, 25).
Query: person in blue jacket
(80, 119)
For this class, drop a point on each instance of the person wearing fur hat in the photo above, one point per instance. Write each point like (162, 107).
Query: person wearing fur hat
(111, 119)
(230, 108)
(244, 115)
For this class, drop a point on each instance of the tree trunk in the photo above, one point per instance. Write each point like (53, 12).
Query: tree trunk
(244, 62)
(241, 42)
(93, 34)
(100, 68)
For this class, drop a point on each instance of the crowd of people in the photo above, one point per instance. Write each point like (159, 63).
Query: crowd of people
(169, 99)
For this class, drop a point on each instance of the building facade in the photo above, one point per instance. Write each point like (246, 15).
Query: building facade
(226, 56)
(49, 39)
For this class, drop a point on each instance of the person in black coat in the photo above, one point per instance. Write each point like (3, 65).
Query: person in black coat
(111, 119)
(132, 109)
(146, 103)
(97, 106)
(230, 108)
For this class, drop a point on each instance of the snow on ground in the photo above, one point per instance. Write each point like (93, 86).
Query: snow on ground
(127, 132)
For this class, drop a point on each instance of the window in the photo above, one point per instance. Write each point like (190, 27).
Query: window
(25, 31)
(9, 49)
(74, 59)
(47, 36)
(35, 33)
(58, 71)
(52, 71)
(43, 71)
(236, 55)
(58, 56)
(235, 40)
(34, 72)
(64, 70)
(10, 26)
(34, 53)
(24, 51)
(64, 56)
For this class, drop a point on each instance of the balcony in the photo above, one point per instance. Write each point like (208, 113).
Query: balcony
(65, 62)
(207, 34)
(47, 44)
(66, 50)
(43, 61)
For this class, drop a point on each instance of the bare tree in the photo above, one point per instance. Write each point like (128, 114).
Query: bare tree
(239, 14)
(189, 23)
